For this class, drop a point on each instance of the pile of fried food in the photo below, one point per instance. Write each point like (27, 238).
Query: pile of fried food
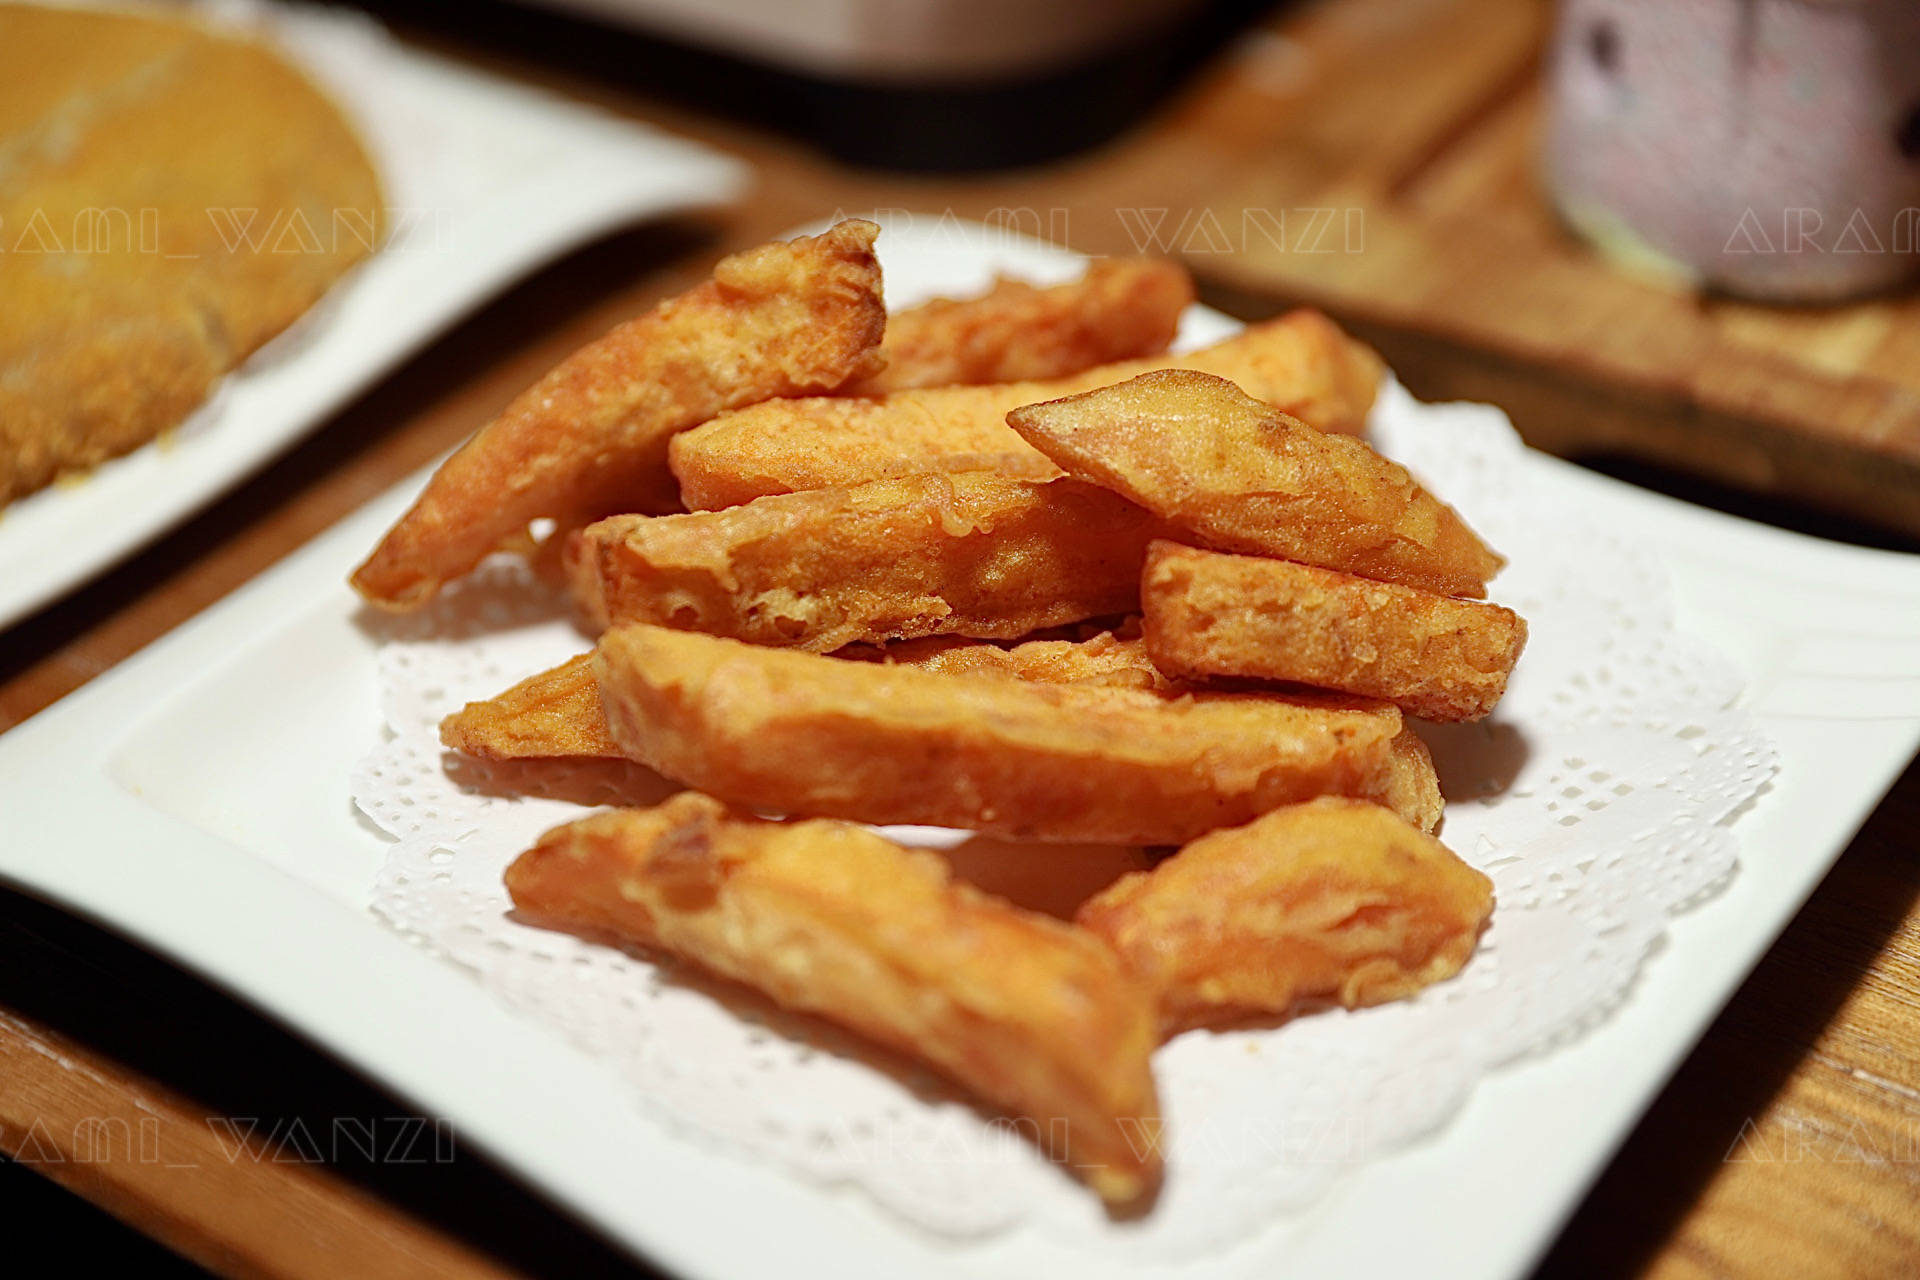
(999, 564)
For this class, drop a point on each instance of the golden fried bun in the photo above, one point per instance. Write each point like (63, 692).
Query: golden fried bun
(171, 197)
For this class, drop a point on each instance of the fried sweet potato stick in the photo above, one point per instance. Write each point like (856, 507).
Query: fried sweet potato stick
(1121, 309)
(972, 554)
(1240, 475)
(1301, 362)
(553, 715)
(1211, 614)
(557, 714)
(1033, 1015)
(591, 436)
(799, 733)
(1334, 899)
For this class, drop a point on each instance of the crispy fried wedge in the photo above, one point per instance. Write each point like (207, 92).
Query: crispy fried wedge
(1033, 1015)
(1121, 309)
(590, 438)
(1334, 899)
(969, 554)
(557, 714)
(1240, 475)
(553, 715)
(1301, 362)
(799, 733)
(1209, 614)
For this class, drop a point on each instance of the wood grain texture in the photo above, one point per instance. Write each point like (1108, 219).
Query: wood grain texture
(227, 1199)
(1788, 1144)
(1458, 270)
(1820, 1051)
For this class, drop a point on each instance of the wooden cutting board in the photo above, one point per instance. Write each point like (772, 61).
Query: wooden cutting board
(1395, 187)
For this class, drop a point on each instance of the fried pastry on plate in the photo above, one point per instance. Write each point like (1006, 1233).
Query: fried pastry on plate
(1212, 614)
(590, 438)
(1120, 309)
(1301, 362)
(1239, 475)
(798, 733)
(171, 197)
(974, 555)
(1032, 1014)
(1334, 899)
(557, 714)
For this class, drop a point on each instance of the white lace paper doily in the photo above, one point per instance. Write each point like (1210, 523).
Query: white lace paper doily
(1599, 797)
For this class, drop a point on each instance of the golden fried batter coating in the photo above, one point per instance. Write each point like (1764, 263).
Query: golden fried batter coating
(1334, 899)
(557, 714)
(799, 733)
(1412, 787)
(1034, 1015)
(1210, 614)
(171, 197)
(971, 554)
(1101, 659)
(1242, 476)
(1301, 362)
(553, 715)
(590, 438)
(1121, 309)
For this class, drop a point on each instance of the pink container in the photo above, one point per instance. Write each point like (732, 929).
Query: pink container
(1765, 147)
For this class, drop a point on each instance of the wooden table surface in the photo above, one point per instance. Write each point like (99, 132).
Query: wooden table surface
(1788, 1144)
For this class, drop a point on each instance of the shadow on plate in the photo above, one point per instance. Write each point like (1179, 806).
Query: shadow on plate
(1053, 879)
(1475, 761)
(500, 595)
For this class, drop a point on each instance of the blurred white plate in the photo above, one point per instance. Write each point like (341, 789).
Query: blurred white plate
(195, 798)
(486, 180)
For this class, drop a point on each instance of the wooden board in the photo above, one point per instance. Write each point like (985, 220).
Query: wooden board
(1415, 128)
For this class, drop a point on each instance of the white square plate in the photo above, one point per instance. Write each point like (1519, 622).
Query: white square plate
(196, 798)
(485, 180)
